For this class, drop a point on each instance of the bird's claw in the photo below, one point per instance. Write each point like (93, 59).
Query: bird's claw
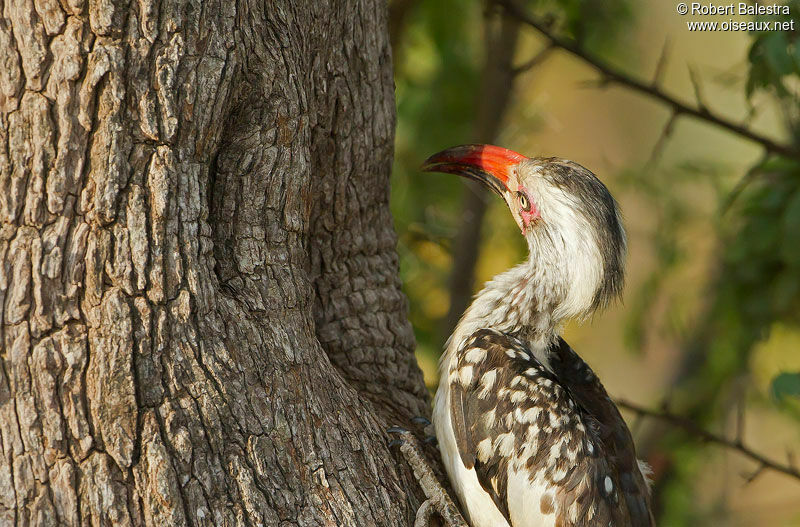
(396, 430)
(421, 420)
(398, 441)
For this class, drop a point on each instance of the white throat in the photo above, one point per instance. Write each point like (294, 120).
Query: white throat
(564, 252)
(532, 300)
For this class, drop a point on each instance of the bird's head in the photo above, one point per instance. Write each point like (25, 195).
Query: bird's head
(570, 220)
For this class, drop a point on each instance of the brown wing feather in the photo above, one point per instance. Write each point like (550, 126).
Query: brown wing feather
(587, 391)
(595, 442)
(467, 411)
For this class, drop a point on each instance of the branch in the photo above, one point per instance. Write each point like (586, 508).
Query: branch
(709, 437)
(612, 74)
(534, 61)
(666, 132)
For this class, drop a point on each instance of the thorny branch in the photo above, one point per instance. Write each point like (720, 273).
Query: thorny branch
(611, 74)
(665, 134)
(736, 444)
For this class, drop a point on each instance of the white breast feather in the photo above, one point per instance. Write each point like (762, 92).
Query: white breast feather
(525, 498)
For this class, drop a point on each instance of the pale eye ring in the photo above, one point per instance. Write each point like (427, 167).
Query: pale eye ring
(524, 202)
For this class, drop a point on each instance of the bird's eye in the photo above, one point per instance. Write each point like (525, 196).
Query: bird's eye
(523, 201)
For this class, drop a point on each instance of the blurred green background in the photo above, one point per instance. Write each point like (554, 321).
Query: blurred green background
(709, 323)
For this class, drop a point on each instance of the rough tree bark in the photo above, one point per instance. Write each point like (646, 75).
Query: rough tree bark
(201, 317)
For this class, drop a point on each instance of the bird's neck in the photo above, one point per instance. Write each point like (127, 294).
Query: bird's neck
(521, 301)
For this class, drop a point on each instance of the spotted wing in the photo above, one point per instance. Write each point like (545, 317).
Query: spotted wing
(535, 448)
(608, 426)
(475, 406)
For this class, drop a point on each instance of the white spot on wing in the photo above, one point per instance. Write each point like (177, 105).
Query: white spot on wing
(504, 444)
(465, 375)
(517, 396)
(559, 474)
(484, 449)
(608, 485)
(555, 452)
(489, 418)
(487, 382)
(531, 414)
(509, 420)
(475, 355)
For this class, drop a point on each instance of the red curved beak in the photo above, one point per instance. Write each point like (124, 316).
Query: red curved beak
(488, 164)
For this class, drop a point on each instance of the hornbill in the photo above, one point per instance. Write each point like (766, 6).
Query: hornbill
(527, 433)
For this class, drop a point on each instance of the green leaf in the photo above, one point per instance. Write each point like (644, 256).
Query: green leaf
(777, 53)
(786, 384)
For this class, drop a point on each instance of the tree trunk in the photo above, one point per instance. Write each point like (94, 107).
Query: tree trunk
(202, 321)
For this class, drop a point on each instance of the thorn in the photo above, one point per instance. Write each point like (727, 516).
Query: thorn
(658, 147)
(755, 474)
(661, 64)
(534, 61)
(395, 442)
(698, 91)
(752, 112)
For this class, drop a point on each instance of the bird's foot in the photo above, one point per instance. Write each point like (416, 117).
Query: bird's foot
(438, 501)
(427, 428)
(424, 425)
